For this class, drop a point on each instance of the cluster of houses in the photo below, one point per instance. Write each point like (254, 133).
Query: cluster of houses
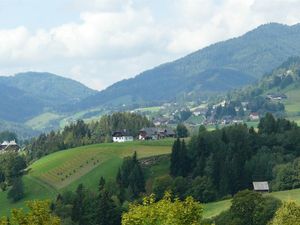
(9, 146)
(147, 133)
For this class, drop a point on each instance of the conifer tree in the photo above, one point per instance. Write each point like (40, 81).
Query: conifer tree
(78, 205)
(183, 159)
(101, 184)
(175, 158)
(107, 212)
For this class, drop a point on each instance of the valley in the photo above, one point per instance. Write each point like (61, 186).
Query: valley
(195, 132)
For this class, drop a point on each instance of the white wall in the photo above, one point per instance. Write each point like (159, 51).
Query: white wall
(122, 139)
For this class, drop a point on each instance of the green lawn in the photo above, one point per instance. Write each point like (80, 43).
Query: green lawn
(292, 104)
(64, 170)
(215, 208)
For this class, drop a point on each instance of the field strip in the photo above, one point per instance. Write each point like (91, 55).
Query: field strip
(42, 183)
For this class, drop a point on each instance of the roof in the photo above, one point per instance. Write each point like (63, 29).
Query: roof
(154, 131)
(150, 130)
(261, 186)
(169, 131)
(120, 133)
(5, 143)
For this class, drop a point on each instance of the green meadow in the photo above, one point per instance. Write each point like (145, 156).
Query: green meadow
(64, 170)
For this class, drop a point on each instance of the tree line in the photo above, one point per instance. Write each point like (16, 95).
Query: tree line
(81, 133)
(219, 163)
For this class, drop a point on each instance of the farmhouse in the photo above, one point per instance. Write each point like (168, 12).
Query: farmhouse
(9, 146)
(148, 133)
(121, 136)
(254, 116)
(261, 186)
(153, 133)
(167, 132)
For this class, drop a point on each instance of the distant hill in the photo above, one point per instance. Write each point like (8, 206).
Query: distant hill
(17, 105)
(49, 88)
(27, 95)
(214, 69)
(281, 85)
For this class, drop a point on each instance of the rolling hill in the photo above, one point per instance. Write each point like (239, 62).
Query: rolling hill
(64, 170)
(44, 101)
(16, 105)
(26, 96)
(52, 90)
(281, 86)
(216, 68)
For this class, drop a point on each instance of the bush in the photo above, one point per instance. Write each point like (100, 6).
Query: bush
(16, 193)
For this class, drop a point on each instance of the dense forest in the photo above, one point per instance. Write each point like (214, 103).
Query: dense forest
(219, 163)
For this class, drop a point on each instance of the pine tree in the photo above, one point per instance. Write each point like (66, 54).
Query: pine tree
(78, 205)
(101, 184)
(183, 159)
(175, 158)
(119, 178)
(107, 211)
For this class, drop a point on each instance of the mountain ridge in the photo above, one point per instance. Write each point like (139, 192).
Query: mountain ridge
(28, 94)
(253, 54)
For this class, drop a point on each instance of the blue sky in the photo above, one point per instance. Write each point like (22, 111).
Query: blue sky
(36, 14)
(99, 42)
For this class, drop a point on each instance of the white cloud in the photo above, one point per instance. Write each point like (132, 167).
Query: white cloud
(116, 39)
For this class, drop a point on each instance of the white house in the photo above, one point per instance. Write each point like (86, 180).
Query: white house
(9, 146)
(254, 116)
(121, 136)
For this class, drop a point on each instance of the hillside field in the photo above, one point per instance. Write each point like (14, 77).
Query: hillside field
(64, 170)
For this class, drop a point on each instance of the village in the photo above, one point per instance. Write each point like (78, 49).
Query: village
(221, 113)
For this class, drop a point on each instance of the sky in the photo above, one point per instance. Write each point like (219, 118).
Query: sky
(99, 42)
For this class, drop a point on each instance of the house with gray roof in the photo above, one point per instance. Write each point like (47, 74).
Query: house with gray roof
(154, 133)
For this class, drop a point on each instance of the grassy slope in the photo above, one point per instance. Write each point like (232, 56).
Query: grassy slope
(292, 104)
(37, 186)
(215, 208)
(42, 121)
(43, 181)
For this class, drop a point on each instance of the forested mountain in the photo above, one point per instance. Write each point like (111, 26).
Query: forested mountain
(216, 68)
(49, 88)
(17, 105)
(26, 95)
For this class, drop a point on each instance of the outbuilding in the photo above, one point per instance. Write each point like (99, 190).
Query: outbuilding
(261, 186)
